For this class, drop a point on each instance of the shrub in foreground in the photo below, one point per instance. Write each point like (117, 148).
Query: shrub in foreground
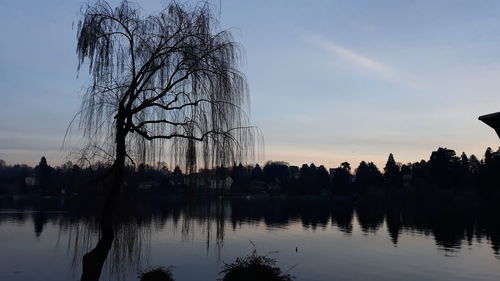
(254, 267)
(156, 274)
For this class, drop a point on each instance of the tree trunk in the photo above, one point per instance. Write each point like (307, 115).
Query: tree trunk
(93, 261)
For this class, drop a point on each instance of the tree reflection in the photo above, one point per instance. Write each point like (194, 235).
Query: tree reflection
(452, 223)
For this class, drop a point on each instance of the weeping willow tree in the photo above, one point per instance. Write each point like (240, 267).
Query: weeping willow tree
(166, 84)
(163, 84)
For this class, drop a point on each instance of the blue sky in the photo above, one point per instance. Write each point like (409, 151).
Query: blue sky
(330, 81)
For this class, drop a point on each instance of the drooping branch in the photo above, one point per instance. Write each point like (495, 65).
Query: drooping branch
(140, 125)
(172, 78)
(189, 137)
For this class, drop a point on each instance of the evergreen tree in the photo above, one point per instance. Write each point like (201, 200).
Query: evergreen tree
(323, 177)
(43, 174)
(488, 156)
(257, 173)
(464, 162)
(376, 177)
(392, 173)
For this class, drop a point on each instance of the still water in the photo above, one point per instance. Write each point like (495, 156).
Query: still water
(311, 239)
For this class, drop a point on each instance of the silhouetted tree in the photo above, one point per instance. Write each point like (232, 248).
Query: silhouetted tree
(464, 161)
(346, 166)
(465, 173)
(221, 172)
(367, 174)
(311, 178)
(488, 156)
(178, 176)
(362, 174)
(12, 178)
(444, 167)
(257, 173)
(375, 175)
(241, 178)
(419, 172)
(406, 175)
(308, 177)
(490, 175)
(170, 78)
(276, 171)
(392, 174)
(323, 177)
(474, 166)
(341, 178)
(43, 174)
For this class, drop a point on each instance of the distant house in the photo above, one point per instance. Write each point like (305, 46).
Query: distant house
(30, 181)
(221, 184)
(148, 185)
(198, 180)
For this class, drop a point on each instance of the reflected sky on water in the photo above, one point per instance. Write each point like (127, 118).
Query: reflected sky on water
(315, 239)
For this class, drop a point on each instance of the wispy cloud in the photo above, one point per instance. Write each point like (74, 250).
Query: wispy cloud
(453, 82)
(375, 67)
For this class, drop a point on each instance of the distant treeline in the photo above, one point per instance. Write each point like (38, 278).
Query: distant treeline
(444, 169)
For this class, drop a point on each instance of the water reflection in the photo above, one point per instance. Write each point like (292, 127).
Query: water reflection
(453, 224)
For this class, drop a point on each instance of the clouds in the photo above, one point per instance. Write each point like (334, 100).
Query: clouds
(327, 78)
(349, 55)
(433, 72)
(410, 102)
(353, 57)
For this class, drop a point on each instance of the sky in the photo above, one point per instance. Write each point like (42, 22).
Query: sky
(330, 81)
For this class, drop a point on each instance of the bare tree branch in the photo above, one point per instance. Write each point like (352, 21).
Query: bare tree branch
(169, 79)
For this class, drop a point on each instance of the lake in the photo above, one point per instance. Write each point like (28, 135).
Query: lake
(313, 239)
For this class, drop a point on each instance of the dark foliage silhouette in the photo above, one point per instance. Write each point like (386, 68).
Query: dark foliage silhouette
(392, 173)
(443, 171)
(156, 274)
(452, 220)
(254, 267)
(170, 78)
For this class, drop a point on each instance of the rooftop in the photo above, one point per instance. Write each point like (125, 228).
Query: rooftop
(492, 120)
